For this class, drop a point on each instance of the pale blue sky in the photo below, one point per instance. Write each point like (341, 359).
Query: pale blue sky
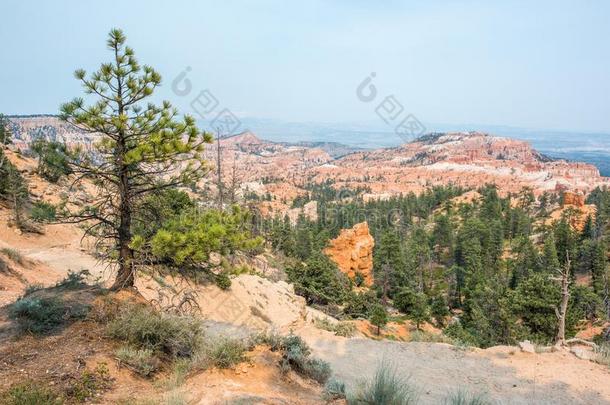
(537, 64)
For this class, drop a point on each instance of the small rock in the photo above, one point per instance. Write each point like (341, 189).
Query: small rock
(527, 347)
(215, 259)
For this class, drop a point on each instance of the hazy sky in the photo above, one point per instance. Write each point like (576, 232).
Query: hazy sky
(538, 64)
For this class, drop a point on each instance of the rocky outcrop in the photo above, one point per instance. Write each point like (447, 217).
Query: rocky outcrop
(574, 199)
(273, 173)
(466, 159)
(352, 250)
(309, 211)
(28, 128)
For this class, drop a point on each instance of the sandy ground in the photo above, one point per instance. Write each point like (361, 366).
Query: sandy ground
(504, 374)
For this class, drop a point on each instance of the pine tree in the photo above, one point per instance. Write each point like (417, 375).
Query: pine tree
(564, 240)
(420, 312)
(588, 231)
(550, 261)
(378, 317)
(53, 159)
(389, 254)
(5, 132)
(5, 140)
(14, 190)
(419, 259)
(527, 261)
(142, 150)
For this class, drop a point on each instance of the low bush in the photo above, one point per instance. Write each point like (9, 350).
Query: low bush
(602, 354)
(142, 361)
(73, 280)
(345, 329)
(461, 336)
(29, 393)
(13, 254)
(334, 390)
(296, 354)
(144, 328)
(461, 397)
(44, 315)
(387, 387)
(43, 212)
(423, 336)
(273, 340)
(225, 352)
(32, 288)
(90, 384)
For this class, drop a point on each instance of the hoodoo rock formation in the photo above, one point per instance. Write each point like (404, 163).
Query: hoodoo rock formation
(352, 250)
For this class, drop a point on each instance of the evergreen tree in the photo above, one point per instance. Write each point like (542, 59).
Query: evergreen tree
(13, 189)
(418, 259)
(442, 238)
(439, 310)
(53, 159)
(592, 262)
(389, 254)
(534, 302)
(318, 280)
(5, 132)
(186, 241)
(378, 317)
(564, 240)
(143, 149)
(588, 231)
(550, 261)
(527, 261)
(420, 312)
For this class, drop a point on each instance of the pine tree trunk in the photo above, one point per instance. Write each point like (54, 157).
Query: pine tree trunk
(125, 277)
(560, 340)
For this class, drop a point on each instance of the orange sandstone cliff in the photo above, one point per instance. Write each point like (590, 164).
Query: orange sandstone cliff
(352, 250)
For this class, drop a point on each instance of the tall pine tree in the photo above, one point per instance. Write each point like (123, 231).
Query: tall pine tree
(142, 150)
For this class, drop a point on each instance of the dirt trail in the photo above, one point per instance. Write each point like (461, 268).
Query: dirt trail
(504, 374)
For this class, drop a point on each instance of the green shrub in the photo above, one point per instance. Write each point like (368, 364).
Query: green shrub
(44, 315)
(461, 397)
(90, 384)
(73, 280)
(32, 288)
(43, 212)
(29, 393)
(460, 335)
(223, 281)
(296, 355)
(423, 336)
(602, 354)
(13, 254)
(144, 328)
(273, 340)
(319, 280)
(316, 369)
(358, 305)
(387, 387)
(334, 389)
(53, 159)
(345, 329)
(142, 361)
(222, 353)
